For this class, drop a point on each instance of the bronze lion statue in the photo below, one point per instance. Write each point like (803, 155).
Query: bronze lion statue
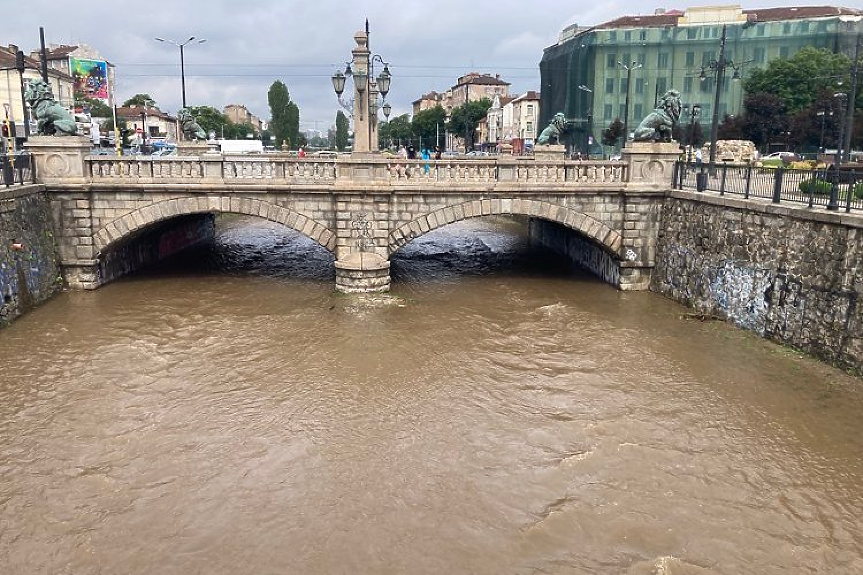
(555, 129)
(191, 129)
(52, 119)
(657, 126)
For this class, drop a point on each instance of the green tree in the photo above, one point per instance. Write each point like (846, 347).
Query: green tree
(341, 131)
(396, 130)
(211, 120)
(798, 81)
(430, 125)
(98, 108)
(284, 114)
(766, 118)
(141, 100)
(295, 139)
(464, 119)
(612, 134)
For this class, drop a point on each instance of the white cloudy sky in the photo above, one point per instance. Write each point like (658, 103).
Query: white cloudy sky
(250, 44)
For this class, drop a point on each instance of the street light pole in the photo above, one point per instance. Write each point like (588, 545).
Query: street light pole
(833, 202)
(719, 66)
(589, 126)
(629, 68)
(182, 61)
(364, 106)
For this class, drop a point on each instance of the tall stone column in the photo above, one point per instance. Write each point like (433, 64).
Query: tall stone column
(362, 133)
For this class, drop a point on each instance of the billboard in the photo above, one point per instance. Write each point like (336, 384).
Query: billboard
(90, 78)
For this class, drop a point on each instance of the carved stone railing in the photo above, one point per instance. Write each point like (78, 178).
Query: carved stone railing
(344, 171)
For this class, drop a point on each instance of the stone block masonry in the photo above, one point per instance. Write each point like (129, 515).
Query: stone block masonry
(791, 274)
(29, 273)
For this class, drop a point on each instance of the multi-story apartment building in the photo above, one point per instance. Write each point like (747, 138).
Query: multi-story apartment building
(525, 117)
(428, 101)
(584, 74)
(472, 86)
(239, 114)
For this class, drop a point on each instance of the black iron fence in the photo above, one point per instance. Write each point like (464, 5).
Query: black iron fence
(16, 169)
(832, 189)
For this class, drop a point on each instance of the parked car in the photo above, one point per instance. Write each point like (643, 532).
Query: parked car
(477, 154)
(784, 156)
(325, 154)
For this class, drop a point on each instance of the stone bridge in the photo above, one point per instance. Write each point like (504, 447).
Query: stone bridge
(361, 208)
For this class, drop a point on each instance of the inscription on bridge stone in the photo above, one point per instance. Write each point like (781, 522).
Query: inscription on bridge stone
(363, 229)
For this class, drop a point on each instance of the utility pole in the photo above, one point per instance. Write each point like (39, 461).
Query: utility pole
(44, 53)
(852, 95)
(19, 65)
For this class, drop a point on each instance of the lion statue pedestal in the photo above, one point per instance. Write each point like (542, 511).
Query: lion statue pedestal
(651, 162)
(59, 160)
(549, 152)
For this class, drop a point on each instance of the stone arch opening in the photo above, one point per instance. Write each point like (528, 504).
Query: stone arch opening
(160, 230)
(136, 220)
(595, 246)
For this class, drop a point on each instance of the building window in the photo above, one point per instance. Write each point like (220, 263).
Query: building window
(687, 84)
(804, 27)
(530, 109)
(639, 111)
(626, 59)
(706, 58)
(783, 51)
(611, 60)
(627, 36)
(707, 85)
(640, 59)
(607, 112)
(612, 35)
(639, 85)
(530, 127)
(759, 30)
(621, 113)
(609, 85)
(759, 56)
(662, 60)
(690, 59)
(786, 28)
(692, 33)
(661, 85)
(623, 86)
(642, 35)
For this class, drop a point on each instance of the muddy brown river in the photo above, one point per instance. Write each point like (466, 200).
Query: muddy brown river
(498, 412)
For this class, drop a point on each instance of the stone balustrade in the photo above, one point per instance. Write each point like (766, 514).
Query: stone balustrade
(377, 171)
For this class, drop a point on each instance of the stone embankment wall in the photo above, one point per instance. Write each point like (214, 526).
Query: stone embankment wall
(29, 273)
(791, 274)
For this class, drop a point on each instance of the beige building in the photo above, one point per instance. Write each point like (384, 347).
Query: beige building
(474, 86)
(525, 115)
(428, 101)
(156, 123)
(239, 114)
(10, 85)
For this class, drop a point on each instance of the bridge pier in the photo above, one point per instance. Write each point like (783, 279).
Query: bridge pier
(363, 272)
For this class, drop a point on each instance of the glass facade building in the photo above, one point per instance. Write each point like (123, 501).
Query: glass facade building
(583, 75)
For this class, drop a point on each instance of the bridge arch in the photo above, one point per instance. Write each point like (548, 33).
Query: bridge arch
(608, 239)
(156, 212)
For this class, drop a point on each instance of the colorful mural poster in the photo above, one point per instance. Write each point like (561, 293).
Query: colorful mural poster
(91, 78)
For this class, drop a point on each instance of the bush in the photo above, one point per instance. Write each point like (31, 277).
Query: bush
(816, 186)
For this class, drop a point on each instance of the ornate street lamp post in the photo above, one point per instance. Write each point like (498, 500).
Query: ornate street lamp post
(589, 125)
(833, 202)
(823, 115)
(694, 112)
(718, 68)
(629, 68)
(364, 105)
(182, 62)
